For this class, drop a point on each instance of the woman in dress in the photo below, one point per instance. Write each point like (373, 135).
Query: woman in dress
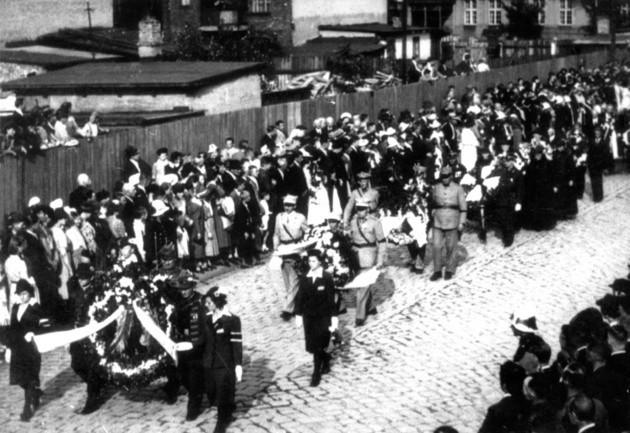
(26, 321)
(470, 142)
(16, 268)
(315, 309)
(210, 230)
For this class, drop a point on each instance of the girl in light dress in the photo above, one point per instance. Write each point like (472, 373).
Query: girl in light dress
(210, 230)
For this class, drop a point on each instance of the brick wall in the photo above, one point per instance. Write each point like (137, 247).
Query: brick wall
(276, 21)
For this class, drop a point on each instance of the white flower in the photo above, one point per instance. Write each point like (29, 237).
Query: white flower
(126, 282)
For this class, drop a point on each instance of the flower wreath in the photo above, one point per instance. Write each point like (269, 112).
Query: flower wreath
(123, 351)
(336, 254)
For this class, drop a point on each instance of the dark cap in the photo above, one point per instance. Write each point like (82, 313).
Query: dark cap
(446, 171)
(24, 286)
(184, 281)
(621, 285)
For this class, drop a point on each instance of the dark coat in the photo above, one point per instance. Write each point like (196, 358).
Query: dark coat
(537, 213)
(315, 301)
(564, 171)
(129, 169)
(507, 416)
(597, 157)
(608, 386)
(25, 358)
(224, 343)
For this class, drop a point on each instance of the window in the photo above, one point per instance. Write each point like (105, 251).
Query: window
(541, 14)
(566, 12)
(260, 6)
(494, 8)
(470, 12)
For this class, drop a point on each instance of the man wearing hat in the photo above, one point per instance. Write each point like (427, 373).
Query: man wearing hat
(508, 198)
(364, 192)
(222, 356)
(289, 229)
(368, 245)
(188, 321)
(134, 165)
(449, 216)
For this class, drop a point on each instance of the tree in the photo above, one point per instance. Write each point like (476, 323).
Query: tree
(522, 18)
(610, 9)
(189, 45)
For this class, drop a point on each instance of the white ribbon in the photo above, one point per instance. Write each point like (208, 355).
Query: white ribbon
(47, 342)
(156, 332)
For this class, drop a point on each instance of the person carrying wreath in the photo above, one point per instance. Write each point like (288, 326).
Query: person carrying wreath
(26, 320)
(316, 311)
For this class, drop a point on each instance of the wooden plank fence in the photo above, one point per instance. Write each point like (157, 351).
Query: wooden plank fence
(53, 175)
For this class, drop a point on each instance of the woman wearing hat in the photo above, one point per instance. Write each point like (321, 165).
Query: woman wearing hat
(26, 321)
(315, 309)
(222, 357)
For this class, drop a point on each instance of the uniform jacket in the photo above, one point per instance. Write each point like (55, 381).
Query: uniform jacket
(449, 203)
(368, 241)
(290, 228)
(224, 342)
(370, 195)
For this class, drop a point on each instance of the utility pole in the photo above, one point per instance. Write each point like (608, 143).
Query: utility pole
(89, 14)
(404, 41)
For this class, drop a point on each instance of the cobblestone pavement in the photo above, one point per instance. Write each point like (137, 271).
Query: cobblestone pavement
(430, 357)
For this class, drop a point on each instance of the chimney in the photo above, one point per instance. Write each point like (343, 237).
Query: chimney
(150, 38)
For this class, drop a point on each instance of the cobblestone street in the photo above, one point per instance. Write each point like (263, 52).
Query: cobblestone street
(430, 357)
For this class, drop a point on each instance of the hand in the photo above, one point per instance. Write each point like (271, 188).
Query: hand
(517, 208)
(246, 235)
(298, 321)
(334, 323)
(238, 370)
(555, 189)
(570, 183)
(29, 337)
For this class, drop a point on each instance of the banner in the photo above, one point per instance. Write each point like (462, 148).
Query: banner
(364, 279)
(47, 342)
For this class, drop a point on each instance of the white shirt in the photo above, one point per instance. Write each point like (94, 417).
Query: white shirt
(317, 273)
(22, 308)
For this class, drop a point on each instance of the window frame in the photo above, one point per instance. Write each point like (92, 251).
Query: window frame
(566, 8)
(495, 10)
(260, 6)
(471, 9)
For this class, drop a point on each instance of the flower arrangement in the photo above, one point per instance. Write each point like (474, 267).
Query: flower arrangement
(336, 254)
(123, 351)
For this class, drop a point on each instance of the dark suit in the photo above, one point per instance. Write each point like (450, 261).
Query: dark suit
(129, 169)
(46, 278)
(244, 229)
(223, 352)
(315, 301)
(508, 415)
(608, 386)
(297, 185)
(508, 194)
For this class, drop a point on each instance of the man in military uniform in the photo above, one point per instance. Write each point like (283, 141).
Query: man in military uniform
(290, 229)
(364, 192)
(222, 357)
(449, 216)
(368, 245)
(188, 320)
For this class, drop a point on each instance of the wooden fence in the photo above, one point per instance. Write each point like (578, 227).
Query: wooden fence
(53, 175)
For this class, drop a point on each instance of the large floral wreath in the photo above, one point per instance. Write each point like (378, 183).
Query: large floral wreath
(336, 254)
(124, 352)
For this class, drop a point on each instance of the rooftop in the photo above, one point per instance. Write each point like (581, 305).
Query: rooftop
(135, 77)
(330, 46)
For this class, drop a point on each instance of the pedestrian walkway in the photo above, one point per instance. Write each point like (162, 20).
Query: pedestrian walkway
(430, 357)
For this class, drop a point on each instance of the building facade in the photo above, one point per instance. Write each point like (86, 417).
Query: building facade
(564, 19)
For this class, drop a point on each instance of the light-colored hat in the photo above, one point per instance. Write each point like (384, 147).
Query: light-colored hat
(345, 115)
(500, 115)
(524, 319)
(290, 199)
(56, 204)
(212, 148)
(363, 142)
(390, 131)
(364, 175)
(83, 179)
(34, 201)
(333, 216)
(159, 207)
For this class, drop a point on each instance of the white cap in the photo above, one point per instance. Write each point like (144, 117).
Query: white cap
(83, 179)
(34, 201)
(56, 204)
(346, 115)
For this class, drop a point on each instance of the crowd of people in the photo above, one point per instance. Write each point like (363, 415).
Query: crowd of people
(586, 388)
(513, 155)
(29, 133)
(434, 69)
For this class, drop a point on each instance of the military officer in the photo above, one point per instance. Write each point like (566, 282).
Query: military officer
(222, 357)
(368, 245)
(290, 229)
(449, 216)
(364, 192)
